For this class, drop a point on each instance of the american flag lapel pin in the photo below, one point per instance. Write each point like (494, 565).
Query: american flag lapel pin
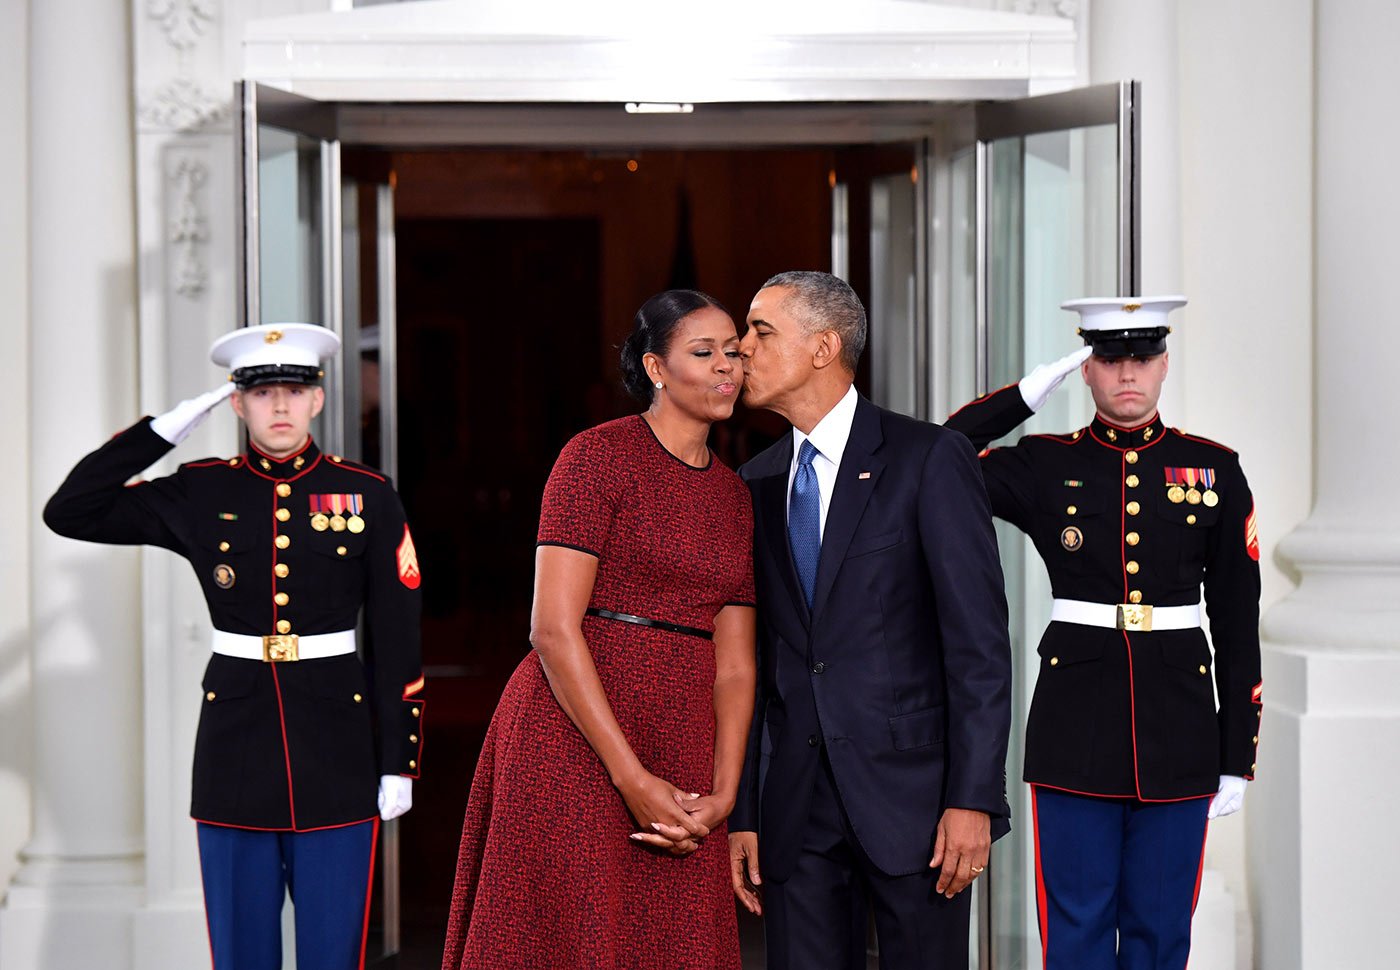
(863, 476)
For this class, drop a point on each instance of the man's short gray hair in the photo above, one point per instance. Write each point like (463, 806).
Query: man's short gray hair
(825, 302)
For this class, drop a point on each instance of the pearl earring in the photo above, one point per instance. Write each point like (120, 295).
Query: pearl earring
(660, 385)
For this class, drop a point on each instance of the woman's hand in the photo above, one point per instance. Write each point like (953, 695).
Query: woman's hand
(665, 825)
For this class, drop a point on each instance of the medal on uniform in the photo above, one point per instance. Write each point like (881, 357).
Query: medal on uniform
(1209, 497)
(356, 505)
(1193, 494)
(1176, 495)
(224, 576)
(1072, 539)
(337, 507)
(319, 521)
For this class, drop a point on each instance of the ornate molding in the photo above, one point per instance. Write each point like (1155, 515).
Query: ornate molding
(1068, 9)
(189, 229)
(182, 104)
(184, 22)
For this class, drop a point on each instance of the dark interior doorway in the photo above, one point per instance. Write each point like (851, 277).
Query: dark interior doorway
(518, 274)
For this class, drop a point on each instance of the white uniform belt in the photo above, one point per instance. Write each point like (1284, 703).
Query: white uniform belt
(284, 647)
(1138, 617)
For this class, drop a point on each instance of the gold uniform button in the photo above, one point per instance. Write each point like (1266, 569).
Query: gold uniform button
(283, 515)
(358, 698)
(1190, 520)
(233, 463)
(1135, 596)
(211, 695)
(1071, 510)
(413, 739)
(1253, 768)
(281, 599)
(340, 550)
(1132, 567)
(412, 764)
(336, 459)
(1131, 458)
(415, 712)
(1134, 508)
(281, 569)
(1202, 668)
(1256, 739)
(1132, 538)
(1132, 481)
(1054, 661)
(282, 542)
(283, 489)
(223, 547)
(284, 626)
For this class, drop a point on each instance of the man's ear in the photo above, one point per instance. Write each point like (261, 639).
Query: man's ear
(1166, 360)
(236, 399)
(828, 349)
(319, 401)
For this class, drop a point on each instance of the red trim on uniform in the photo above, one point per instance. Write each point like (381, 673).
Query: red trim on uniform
(1044, 919)
(253, 447)
(291, 478)
(413, 688)
(1059, 439)
(1200, 869)
(286, 751)
(206, 464)
(369, 891)
(1132, 714)
(1205, 441)
(1094, 794)
(259, 828)
(273, 567)
(978, 400)
(363, 471)
(208, 927)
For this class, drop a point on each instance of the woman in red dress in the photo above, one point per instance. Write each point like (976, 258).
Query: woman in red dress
(594, 836)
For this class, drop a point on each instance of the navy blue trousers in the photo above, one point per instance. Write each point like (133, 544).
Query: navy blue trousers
(247, 875)
(816, 919)
(1116, 880)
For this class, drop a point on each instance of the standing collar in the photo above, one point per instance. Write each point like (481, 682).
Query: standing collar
(1116, 436)
(291, 466)
(833, 431)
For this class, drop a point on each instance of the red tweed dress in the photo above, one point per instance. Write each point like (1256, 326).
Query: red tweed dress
(547, 878)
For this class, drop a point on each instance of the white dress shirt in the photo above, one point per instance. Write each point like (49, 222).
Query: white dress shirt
(829, 437)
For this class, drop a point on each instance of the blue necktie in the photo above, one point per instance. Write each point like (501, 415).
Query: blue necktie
(804, 521)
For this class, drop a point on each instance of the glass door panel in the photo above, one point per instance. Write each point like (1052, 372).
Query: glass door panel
(1058, 219)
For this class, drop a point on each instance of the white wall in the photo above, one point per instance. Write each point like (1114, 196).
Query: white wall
(1245, 108)
(14, 440)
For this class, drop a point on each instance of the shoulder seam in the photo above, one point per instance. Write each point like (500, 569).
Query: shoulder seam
(1205, 441)
(206, 463)
(356, 468)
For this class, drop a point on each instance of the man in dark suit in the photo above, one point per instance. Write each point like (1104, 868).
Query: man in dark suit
(885, 677)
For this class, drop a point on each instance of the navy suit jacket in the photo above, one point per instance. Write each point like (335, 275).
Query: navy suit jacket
(901, 669)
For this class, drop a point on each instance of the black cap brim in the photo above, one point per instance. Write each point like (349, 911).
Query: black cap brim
(1117, 344)
(248, 377)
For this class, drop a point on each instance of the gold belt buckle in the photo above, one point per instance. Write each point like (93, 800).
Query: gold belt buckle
(280, 648)
(1136, 617)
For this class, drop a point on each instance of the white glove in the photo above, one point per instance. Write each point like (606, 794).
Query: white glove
(1039, 384)
(176, 424)
(395, 796)
(1229, 799)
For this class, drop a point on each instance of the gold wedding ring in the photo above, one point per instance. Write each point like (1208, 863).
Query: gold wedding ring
(977, 869)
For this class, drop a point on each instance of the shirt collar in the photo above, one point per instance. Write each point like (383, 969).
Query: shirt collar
(289, 467)
(832, 432)
(1122, 438)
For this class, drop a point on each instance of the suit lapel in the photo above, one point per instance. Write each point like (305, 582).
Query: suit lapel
(773, 496)
(855, 482)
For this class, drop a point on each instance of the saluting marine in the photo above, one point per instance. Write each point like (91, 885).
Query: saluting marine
(302, 747)
(1126, 751)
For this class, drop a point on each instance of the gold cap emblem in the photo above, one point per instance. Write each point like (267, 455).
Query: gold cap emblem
(1127, 308)
(275, 335)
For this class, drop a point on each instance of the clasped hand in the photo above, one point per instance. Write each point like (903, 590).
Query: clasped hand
(671, 820)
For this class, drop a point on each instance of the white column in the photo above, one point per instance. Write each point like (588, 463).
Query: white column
(70, 904)
(1322, 843)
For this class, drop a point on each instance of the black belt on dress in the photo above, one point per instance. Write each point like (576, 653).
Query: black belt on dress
(689, 631)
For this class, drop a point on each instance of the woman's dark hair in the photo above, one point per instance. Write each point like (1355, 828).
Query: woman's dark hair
(652, 330)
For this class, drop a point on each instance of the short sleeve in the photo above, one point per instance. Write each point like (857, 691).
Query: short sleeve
(581, 496)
